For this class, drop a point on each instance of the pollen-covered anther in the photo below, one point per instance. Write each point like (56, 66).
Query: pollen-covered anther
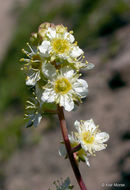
(88, 137)
(62, 86)
(71, 32)
(23, 50)
(60, 45)
(22, 59)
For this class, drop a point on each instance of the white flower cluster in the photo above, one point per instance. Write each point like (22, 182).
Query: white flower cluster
(52, 68)
(90, 139)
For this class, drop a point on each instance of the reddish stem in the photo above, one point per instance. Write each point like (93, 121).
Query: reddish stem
(69, 150)
(76, 148)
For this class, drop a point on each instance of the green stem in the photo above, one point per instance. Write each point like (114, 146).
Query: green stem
(69, 150)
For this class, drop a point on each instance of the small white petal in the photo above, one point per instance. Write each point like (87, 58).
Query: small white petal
(69, 103)
(81, 87)
(69, 37)
(77, 124)
(62, 150)
(44, 47)
(86, 160)
(62, 101)
(32, 79)
(37, 120)
(51, 33)
(49, 70)
(90, 125)
(102, 137)
(88, 66)
(71, 138)
(38, 92)
(45, 95)
(67, 72)
(99, 147)
(48, 95)
(76, 52)
(84, 147)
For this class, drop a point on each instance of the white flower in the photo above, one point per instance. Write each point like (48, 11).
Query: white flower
(90, 137)
(63, 87)
(80, 155)
(59, 43)
(32, 66)
(32, 78)
(32, 115)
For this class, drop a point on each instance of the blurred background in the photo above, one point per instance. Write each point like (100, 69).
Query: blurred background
(29, 158)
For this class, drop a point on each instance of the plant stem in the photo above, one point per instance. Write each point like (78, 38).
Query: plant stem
(69, 150)
(76, 148)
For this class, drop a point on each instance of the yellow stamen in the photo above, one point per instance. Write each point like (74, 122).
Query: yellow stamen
(36, 62)
(60, 45)
(62, 86)
(88, 138)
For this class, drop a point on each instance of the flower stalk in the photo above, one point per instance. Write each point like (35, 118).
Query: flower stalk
(52, 68)
(76, 148)
(69, 150)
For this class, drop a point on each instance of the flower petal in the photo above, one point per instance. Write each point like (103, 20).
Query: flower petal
(48, 95)
(37, 120)
(69, 103)
(76, 52)
(77, 125)
(67, 72)
(86, 160)
(38, 91)
(69, 37)
(62, 150)
(44, 47)
(99, 147)
(62, 100)
(51, 33)
(90, 125)
(32, 79)
(49, 70)
(88, 66)
(102, 137)
(81, 87)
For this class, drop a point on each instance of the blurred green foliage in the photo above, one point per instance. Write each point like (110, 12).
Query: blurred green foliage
(89, 20)
(10, 136)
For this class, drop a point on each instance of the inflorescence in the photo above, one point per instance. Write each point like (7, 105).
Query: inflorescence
(52, 66)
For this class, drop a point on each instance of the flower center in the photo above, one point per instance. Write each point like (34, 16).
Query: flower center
(60, 45)
(88, 137)
(62, 86)
(36, 62)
